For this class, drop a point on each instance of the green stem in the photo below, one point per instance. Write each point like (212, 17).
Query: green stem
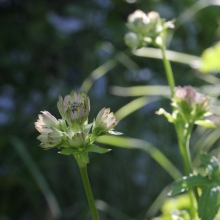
(88, 190)
(183, 140)
(183, 134)
(168, 69)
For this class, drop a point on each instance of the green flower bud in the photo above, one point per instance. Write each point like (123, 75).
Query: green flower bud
(133, 40)
(78, 141)
(105, 122)
(148, 28)
(74, 108)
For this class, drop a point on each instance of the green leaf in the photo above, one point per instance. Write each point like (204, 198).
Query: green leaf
(205, 123)
(209, 202)
(68, 151)
(97, 149)
(212, 164)
(184, 184)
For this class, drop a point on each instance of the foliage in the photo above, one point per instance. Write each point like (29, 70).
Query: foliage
(210, 61)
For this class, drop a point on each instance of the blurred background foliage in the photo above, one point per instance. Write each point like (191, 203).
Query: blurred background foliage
(52, 47)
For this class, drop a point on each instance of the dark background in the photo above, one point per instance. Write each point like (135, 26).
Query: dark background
(49, 48)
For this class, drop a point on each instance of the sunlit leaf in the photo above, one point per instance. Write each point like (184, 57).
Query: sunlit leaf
(210, 59)
(205, 123)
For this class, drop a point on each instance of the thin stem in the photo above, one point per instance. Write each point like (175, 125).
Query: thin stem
(183, 141)
(88, 190)
(168, 69)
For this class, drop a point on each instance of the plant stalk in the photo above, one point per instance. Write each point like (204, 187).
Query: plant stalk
(168, 70)
(183, 136)
(89, 194)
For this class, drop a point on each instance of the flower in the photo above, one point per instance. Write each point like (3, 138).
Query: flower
(74, 137)
(74, 108)
(191, 106)
(185, 94)
(49, 127)
(148, 29)
(138, 21)
(188, 95)
(104, 123)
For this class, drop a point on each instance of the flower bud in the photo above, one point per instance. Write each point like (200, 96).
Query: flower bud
(78, 141)
(154, 17)
(138, 21)
(186, 94)
(74, 108)
(146, 26)
(132, 40)
(104, 122)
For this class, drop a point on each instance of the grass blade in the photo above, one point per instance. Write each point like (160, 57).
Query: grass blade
(171, 55)
(133, 106)
(20, 147)
(131, 143)
(141, 90)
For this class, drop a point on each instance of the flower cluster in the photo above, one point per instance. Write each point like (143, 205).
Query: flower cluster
(71, 134)
(189, 106)
(146, 29)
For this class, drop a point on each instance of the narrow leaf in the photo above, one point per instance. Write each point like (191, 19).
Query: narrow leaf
(68, 151)
(205, 123)
(97, 149)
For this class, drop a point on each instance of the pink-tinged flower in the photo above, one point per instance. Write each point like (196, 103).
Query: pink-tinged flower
(186, 93)
(192, 106)
(104, 122)
(50, 129)
(74, 108)
(189, 95)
